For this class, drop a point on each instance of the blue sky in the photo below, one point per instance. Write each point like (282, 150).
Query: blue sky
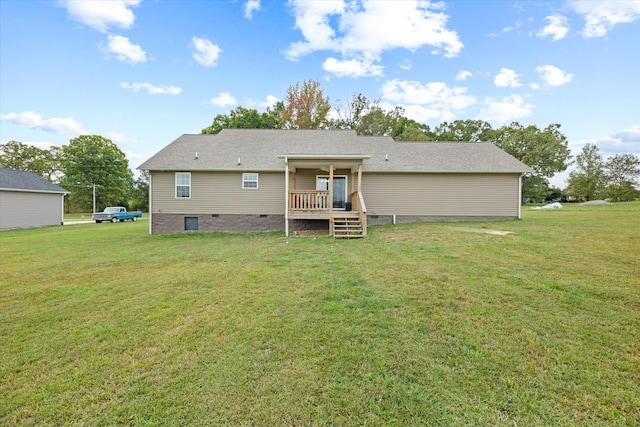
(143, 72)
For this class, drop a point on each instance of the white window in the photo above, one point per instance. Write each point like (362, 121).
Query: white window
(183, 185)
(249, 180)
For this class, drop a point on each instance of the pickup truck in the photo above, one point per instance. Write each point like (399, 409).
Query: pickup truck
(115, 214)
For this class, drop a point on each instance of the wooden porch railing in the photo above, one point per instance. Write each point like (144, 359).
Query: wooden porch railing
(308, 200)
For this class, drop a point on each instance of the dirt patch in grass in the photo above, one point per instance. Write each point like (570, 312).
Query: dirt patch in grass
(311, 233)
(481, 230)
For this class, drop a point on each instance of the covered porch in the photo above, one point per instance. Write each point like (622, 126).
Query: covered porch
(326, 188)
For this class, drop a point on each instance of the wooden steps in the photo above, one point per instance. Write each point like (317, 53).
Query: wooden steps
(346, 227)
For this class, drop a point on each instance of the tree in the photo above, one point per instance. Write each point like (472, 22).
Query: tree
(368, 118)
(413, 131)
(140, 193)
(554, 195)
(305, 107)
(622, 172)
(545, 151)
(244, 118)
(588, 180)
(535, 188)
(350, 118)
(463, 130)
(91, 160)
(20, 156)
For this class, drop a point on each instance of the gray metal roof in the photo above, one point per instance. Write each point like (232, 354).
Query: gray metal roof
(16, 180)
(266, 150)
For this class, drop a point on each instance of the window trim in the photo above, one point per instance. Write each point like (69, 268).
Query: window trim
(182, 185)
(245, 180)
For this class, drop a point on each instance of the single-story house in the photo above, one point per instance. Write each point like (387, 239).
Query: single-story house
(266, 180)
(27, 200)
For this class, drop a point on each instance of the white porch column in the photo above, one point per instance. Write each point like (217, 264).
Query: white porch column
(286, 196)
(331, 187)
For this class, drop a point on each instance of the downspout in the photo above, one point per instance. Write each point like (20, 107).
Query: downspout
(150, 203)
(520, 196)
(62, 210)
(286, 196)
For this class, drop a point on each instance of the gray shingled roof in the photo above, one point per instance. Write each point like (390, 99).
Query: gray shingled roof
(11, 179)
(264, 150)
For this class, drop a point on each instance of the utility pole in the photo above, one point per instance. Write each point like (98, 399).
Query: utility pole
(94, 197)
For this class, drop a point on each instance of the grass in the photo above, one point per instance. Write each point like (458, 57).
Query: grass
(416, 324)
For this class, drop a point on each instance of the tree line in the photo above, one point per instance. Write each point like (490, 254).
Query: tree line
(91, 162)
(545, 150)
(88, 163)
(593, 178)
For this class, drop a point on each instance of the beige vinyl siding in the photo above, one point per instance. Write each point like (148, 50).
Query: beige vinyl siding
(219, 193)
(29, 209)
(442, 194)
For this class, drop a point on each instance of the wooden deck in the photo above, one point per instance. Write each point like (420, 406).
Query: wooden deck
(315, 204)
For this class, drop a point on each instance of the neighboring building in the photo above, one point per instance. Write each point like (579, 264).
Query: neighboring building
(266, 180)
(27, 200)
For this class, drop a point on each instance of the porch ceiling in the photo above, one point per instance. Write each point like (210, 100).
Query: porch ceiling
(295, 162)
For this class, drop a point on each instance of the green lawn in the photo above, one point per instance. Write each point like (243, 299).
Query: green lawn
(103, 324)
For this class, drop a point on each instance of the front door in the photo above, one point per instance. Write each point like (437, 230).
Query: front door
(339, 189)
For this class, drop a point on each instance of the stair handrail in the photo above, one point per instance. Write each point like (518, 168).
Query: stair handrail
(362, 213)
(363, 206)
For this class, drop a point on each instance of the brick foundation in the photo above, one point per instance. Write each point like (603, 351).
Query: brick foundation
(175, 223)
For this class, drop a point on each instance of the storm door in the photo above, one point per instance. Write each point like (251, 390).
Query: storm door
(339, 189)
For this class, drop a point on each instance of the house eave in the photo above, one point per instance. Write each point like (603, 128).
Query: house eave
(324, 156)
(26, 190)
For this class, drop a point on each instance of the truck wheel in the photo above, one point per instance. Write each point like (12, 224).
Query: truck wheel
(114, 220)
(135, 218)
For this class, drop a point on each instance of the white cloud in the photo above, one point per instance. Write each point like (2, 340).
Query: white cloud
(100, 15)
(406, 65)
(557, 27)
(624, 141)
(268, 102)
(516, 25)
(513, 27)
(505, 109)
(151, 89)
(118, 137)
(224, 99)
(41, 145)
(34, 120)
(553, 76)
(352, 67)
(601, 16)
(421, 113)
(463, 75)
(361, 31)
(124, 50)
(434, 100)
(433, 93)
(251, 6)
(506, 78)
(206, 53)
